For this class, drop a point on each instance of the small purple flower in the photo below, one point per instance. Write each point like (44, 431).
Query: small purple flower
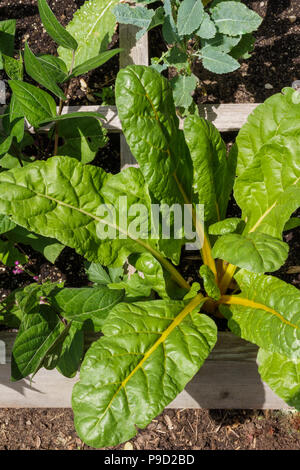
(16, 263)
(43, 300)
(17, 271)
(36, 278)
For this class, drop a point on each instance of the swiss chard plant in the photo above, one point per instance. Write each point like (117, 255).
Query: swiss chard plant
(157, 328)
(215, 32)
(82, 47)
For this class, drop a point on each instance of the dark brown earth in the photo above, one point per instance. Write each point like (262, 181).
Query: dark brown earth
(276, 62)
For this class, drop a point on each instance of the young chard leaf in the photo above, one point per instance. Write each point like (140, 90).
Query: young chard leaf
(230, 225)
(150, 349)
(209, 282)
(267, 313)
(54, 28)
(256, 252)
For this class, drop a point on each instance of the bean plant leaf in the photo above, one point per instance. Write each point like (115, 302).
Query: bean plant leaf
(75, 115)
(54, 67)
(13, 124)
(292, 223)
(149, 352)
(7, 39)
(86, 307)
(97, 274)
(282, 375)
(13, 67)
(265, 313)
(44, 76)
(9, 254)
(217, 61)
(44, 194)
(94, 62)
(82, 139)
(189, 17)
(92, 26)
(36, 104)
(208, 152)
(71, 353)
(234, 18)
(48, 247)
(256, 252)
(54, 28)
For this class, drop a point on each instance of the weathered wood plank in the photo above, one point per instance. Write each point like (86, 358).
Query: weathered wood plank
(229, 379)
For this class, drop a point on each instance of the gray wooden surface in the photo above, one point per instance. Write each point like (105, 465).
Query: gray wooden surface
(229, 379)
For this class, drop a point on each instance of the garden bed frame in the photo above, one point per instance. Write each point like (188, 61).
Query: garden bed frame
(229, 379)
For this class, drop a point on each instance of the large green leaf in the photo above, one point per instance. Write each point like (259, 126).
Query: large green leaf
(54, 28)
(44, 195)
(148, 354)
(282, 374)
(235, 18)
(268, 192)
(277, 116)
(267, 313)
(43, 75)
(71, 353)
(256, 252)
(92, 26)
(189, 17)
(36, 104)
(213, 173)
(151, 127)
(86, 307)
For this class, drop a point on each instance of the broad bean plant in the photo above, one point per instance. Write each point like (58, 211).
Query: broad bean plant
(216, 33)
(157, 329)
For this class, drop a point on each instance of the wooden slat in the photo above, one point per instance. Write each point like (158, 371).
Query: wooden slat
(229, 379)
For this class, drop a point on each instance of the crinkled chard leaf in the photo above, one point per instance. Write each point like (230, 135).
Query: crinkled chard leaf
(148, 354)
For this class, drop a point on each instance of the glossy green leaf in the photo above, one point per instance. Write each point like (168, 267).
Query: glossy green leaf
(292, 223)
(71, 353)
(54, 28)
(94, 62)
(230, 225)
(268, 313)
(189, 16)
(153, 273)
(7, 39)
(256, 252)
(234, 18)
(13, 124)
(54, 66)
(87, 307)
(209, 282)
(92, 26)
(5, 144)
(42, 75)
(268, 191)
(213, 172)
(277, 116)
(149, 352)
(82, 137)
(49, 247)
(217, 61)
(282, 374)
(6, 224)
(43, 195)
(183, 87)
(36, 104)
(13, 67)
